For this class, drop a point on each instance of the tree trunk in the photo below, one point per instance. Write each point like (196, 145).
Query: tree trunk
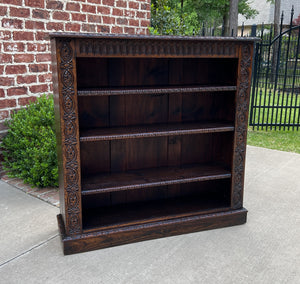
(233, 17)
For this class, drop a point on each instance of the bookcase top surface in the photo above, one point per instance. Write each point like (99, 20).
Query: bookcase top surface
(150, 37)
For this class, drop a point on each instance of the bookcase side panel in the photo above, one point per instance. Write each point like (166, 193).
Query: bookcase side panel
(69, 132)
(241, 122)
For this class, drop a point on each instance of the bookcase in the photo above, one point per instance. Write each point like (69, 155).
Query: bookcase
(151, 135)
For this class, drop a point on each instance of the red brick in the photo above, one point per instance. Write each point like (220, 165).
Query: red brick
(6, 81)
(40, 14)
(14, 46)
(145, 6)
(29, 79)
(51, 88)
(23, 36)
(141, 15)
(19, 12)
(55, 26)
(103, 10)
(26, 101)
(3, 11)
(116, 30)
(117, 12)
(78, 17)
(38, 68)
(12, 2)
(43, 57)
(15, 69)
(73, 7)
(45, 78)
(7, 103)
(134, 23)
(12, 24)
(62, 16)
(5, 35)
(94, 19)
(129, 30)
(145, 23)
(108, 20)
(54, 5)
(17, 91)
(18, 58)
(122, 21)
(94, 1)
(38, 88)
(2, 94)
(129, 13)
(5, 58)
(35, 3)
(133, 5)
(34, 25)
(4, 114)
(41, 36)
(108, 3)
(88, 28)
(37, 47)
(89, 9)
(103, 29)
(1, 69)
(121, 4)
(70, 27)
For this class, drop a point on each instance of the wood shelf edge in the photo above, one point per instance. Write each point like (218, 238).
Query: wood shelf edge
(125, 235)
(153, 91)
(148, 131)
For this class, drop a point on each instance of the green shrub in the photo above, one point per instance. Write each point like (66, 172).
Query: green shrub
(29, 148)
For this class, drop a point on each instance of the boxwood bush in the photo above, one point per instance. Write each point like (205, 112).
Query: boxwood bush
(29, 148)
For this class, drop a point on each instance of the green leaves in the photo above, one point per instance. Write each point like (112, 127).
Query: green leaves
(29, 148)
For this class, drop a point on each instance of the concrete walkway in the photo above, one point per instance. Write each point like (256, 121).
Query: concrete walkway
(264, 250)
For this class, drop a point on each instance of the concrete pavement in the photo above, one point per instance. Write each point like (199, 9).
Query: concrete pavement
(264, 250)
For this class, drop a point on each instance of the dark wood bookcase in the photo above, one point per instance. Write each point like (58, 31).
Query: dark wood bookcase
(151, 135)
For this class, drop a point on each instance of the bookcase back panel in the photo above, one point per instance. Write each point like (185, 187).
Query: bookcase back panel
(149, 72)
(144, 153)
(140, 205)
(129, 110)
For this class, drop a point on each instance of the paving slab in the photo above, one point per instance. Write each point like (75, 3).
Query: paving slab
(264, 250)
(25, 222)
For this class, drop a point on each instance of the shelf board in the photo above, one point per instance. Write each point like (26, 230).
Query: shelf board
(154, 130)
(151, 178)
(153, 91)
(108, 217)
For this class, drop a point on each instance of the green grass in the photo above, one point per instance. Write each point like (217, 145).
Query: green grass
(279, 140)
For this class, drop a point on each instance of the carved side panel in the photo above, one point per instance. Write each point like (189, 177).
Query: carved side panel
(241, 122)
(69, 136)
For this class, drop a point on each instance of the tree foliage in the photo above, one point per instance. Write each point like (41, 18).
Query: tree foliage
(172, 18)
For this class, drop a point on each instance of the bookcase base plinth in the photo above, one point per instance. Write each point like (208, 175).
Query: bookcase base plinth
(152, 230)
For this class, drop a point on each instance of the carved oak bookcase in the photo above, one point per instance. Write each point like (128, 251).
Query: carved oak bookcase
(151, 135)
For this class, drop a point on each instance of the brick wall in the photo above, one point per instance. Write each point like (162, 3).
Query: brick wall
(25, 67)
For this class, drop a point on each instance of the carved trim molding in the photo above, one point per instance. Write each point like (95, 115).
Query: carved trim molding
(123, 47)
(70, 140)
(242, 103)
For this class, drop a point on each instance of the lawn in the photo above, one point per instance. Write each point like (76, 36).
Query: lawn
(280, 140)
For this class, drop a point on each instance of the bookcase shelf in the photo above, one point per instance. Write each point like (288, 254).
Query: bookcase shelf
(155, 130)
(151, 136)
(154, 91)
(151, 178)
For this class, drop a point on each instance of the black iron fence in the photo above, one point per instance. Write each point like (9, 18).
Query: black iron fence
(275, 101)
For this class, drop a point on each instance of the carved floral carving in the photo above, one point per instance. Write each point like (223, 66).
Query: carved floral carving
(241, 127)
(70, 141)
